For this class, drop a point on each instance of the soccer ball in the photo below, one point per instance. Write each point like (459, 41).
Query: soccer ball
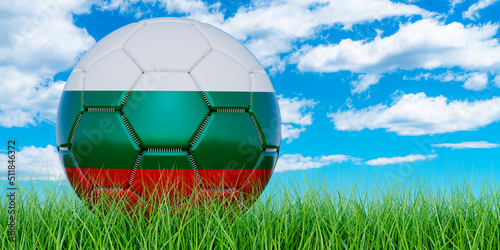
(168, 110)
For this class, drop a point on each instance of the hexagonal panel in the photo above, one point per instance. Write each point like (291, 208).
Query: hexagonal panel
(112, 42)
(266, 111)
(227, 150)
(107, 81)
(225, 82)
(70, 107)
(167, 45)
(104, 149)
(166, 118)
(257, 182)
(164, 176)
(82, 188)
(222, 41)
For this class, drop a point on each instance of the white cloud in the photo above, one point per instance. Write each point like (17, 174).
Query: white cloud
(451, 76)
(473, 11)
(467, 144)
(417, 114)
(455, 2)
(418, 77)
(496, 80)
(399, 159)
(27, 99)
(290, 132)
(270, 28)
(295, 110)
(38, 40)
(35, 163)
(289, 162)
(364, 82)
(426, 44)
(476, 81)
(296, 114)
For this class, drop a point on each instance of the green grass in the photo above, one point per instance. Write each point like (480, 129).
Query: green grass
(398, 215)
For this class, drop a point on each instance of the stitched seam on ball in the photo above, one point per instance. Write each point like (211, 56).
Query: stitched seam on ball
(185, 200)
(101, 58)
(258, 131)
(201, 90)
(251, 90)
(164, 149)
(101, 109)
(83, 89)
(133, 60)
(253, 170)
(131, 88)
(199, 60)
(140, 197)
(231, 110)
(129, 128)
(79, 170)
(125, 43)
(234, 59)
(132, 34)
(165, 70)
(136, 165)
(202, 34)
(193, 165)
(220, 189)
(74, 130)
(198, 133)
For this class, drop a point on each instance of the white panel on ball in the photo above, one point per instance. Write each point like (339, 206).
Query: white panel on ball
(112, 42)
(75, 81)
(167, 46)
(260, 82)
(166, 81)
(114, 72)
(218, 72)
(222, 41)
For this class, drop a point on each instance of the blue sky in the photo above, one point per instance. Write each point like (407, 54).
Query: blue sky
(390, 87)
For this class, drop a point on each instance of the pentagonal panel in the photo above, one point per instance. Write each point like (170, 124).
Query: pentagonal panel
(82, 188)
(112, 42)
(265, 110)
(70, 107)
(225, 82)
(166, 118)
(107, 82)
(257, 182)
(224, 42)
(167, 45)
(104, 149)
(227, 150)
(164, 176)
